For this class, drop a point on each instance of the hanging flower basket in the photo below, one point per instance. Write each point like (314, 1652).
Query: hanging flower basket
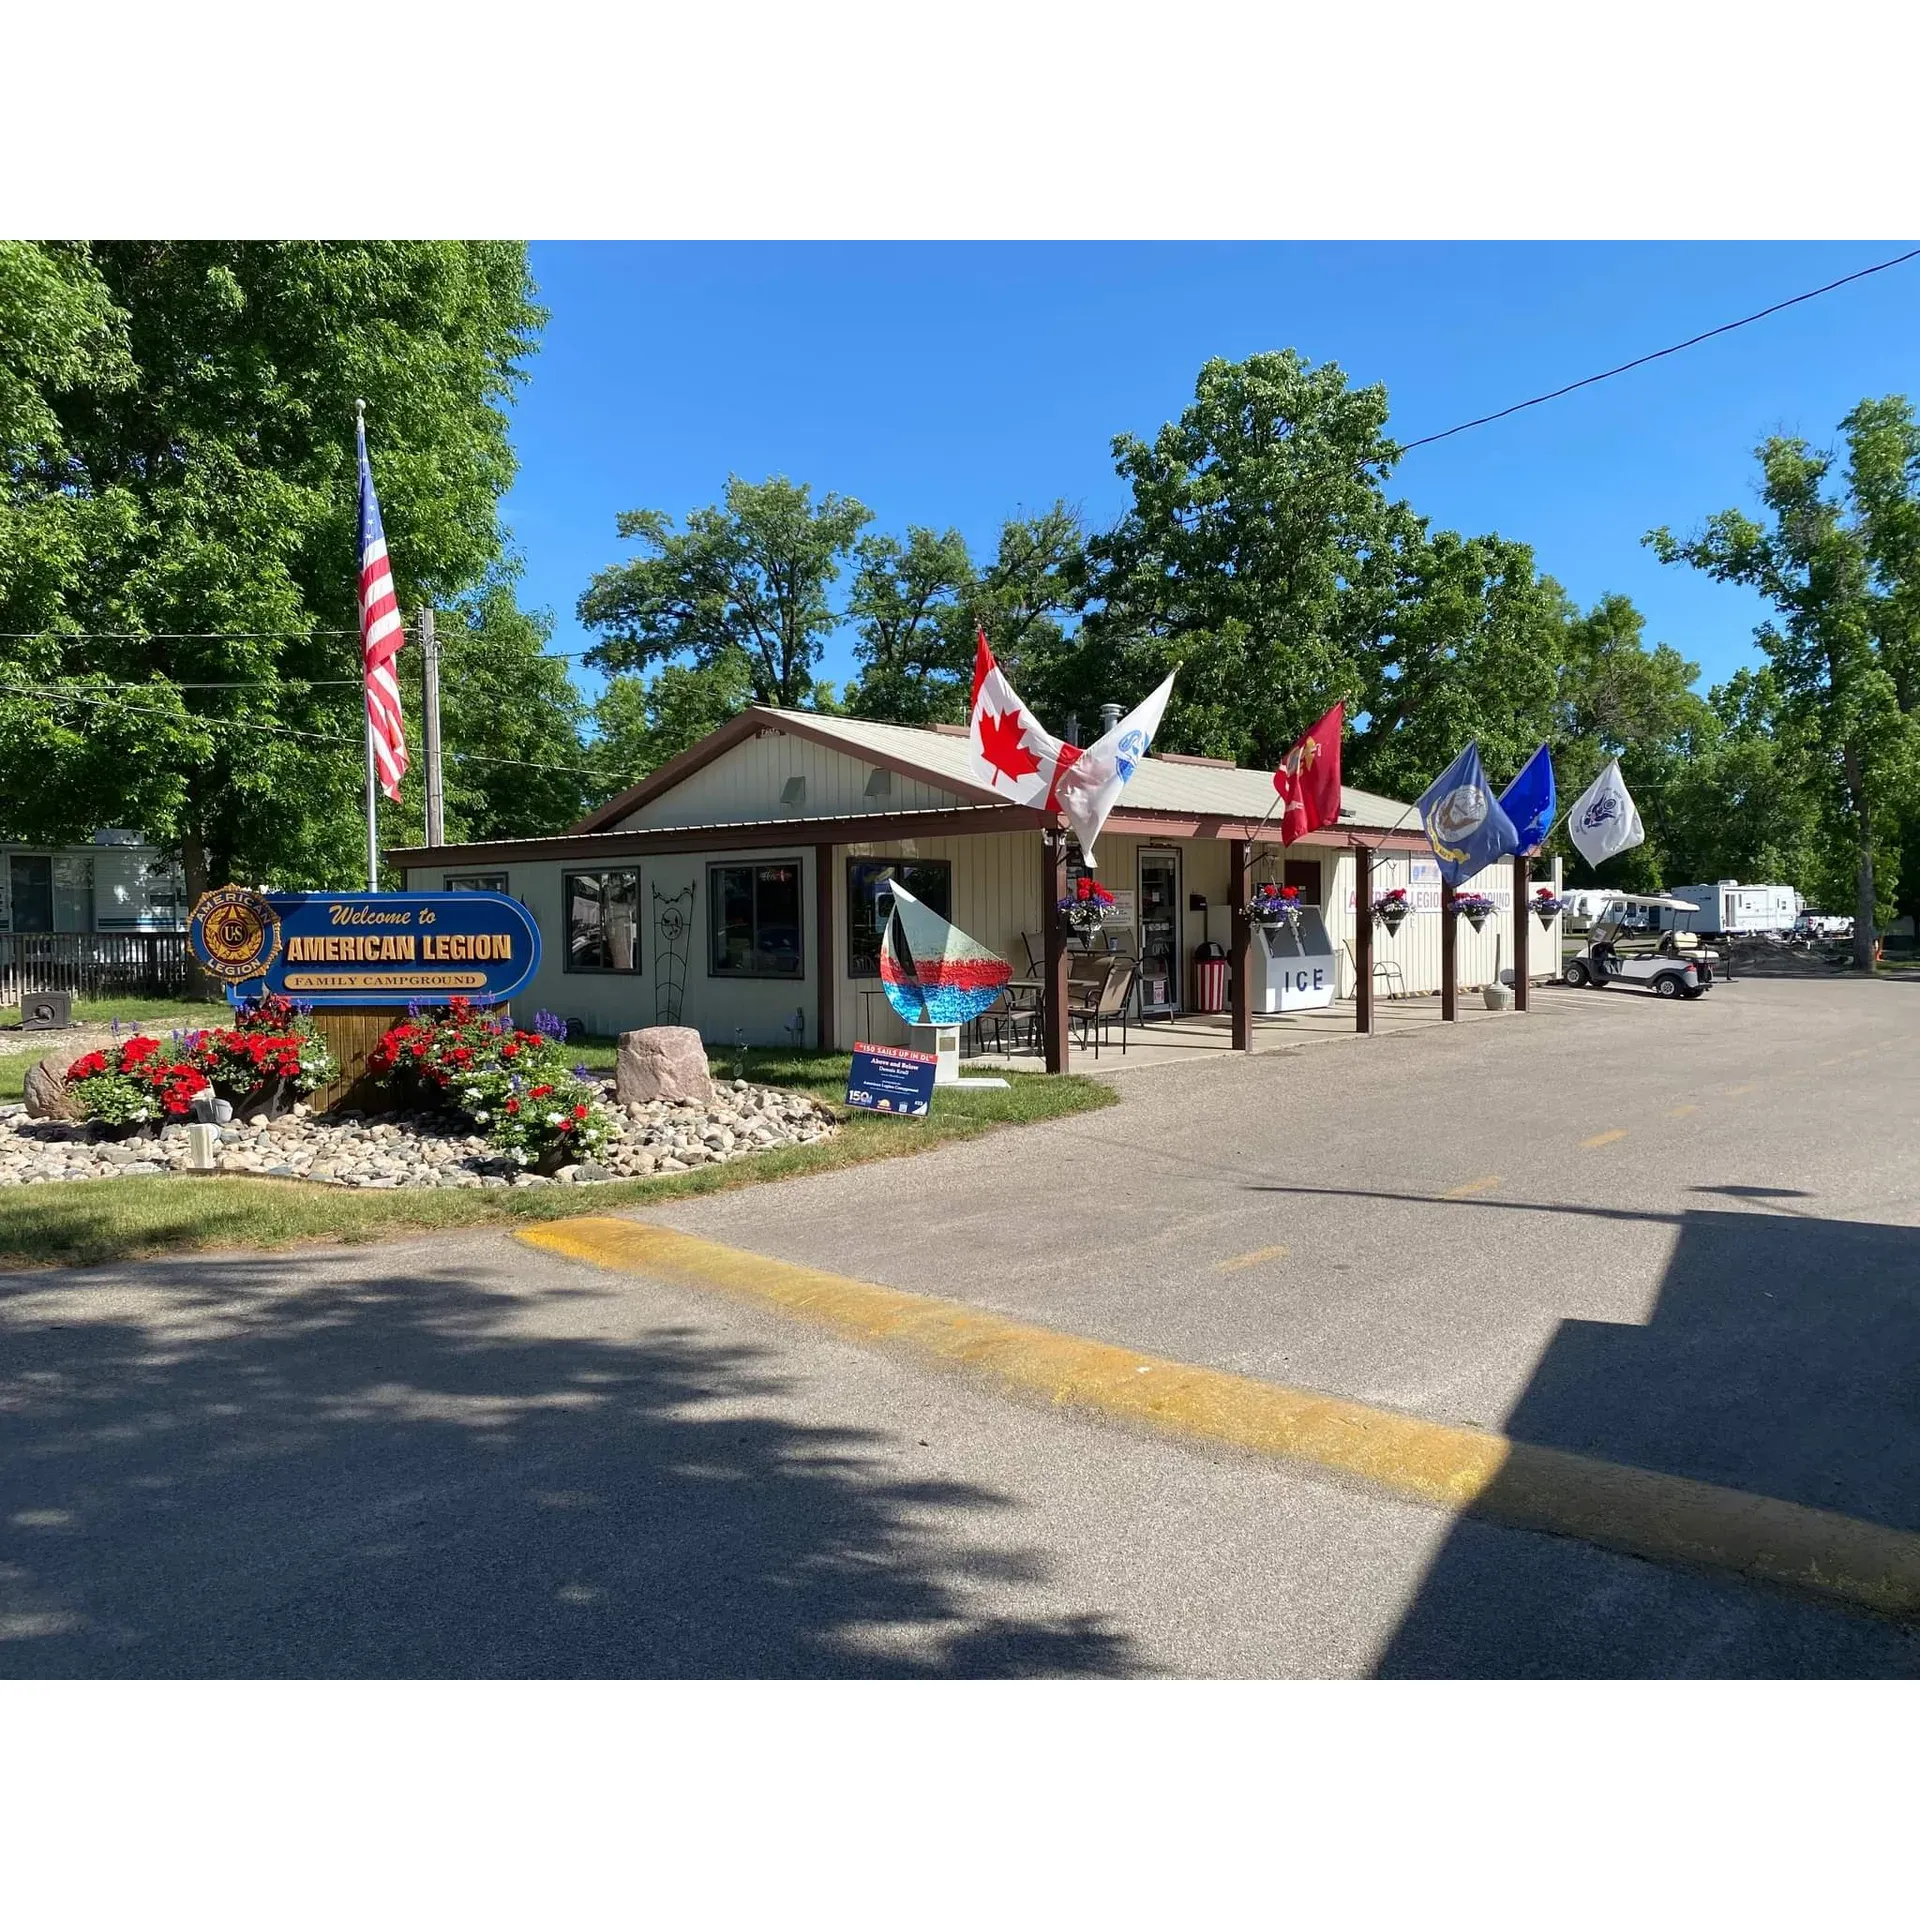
(1087, 908)
(1389, 909)
(1476, 909)
(1547, 906)
(1273, 906)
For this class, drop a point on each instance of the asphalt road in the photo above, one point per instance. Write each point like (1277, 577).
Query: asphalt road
(1688, 1237)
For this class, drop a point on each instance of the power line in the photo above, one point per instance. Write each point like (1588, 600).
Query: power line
(258, 726)
(1592, 379)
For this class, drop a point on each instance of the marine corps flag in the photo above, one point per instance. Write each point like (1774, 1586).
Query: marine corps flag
(1308, 779)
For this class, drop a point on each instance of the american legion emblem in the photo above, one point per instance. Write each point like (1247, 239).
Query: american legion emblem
(235, 934)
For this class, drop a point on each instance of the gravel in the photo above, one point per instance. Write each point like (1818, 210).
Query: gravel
(421, 1150)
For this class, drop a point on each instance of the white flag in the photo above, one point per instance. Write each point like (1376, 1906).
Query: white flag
(1008, 751)
(1604, 821)
(1088, 786)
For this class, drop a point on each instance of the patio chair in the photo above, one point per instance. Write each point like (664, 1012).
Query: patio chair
(1006, 1017)
(1383, 970)
(1036, 964)
(1094, 1005)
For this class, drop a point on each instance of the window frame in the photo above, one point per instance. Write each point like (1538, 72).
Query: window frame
(853, 861)
(716, 867)
(567, 876)
(474, 883)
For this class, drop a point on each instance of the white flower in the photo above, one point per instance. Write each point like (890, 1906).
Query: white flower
(481, 1115)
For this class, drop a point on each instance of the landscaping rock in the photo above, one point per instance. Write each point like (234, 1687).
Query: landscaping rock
(47, 1094)
(653, 1137)
(662, 1063)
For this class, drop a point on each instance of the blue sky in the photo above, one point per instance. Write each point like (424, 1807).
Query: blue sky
(951, 385)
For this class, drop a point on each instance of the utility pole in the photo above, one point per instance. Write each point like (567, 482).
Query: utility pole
(430, 705)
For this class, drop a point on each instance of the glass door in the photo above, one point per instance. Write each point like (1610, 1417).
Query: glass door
(1160, 956)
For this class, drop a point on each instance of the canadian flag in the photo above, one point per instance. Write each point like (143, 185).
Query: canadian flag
(1008, 751)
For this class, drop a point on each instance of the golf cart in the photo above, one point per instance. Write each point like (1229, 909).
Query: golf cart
(1635, 940)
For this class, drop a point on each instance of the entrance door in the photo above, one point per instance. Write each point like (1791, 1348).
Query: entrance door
(32, 887)
(1160, 971)
(1304, 874)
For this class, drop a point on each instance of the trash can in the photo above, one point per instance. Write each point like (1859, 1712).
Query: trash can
(1210, 977)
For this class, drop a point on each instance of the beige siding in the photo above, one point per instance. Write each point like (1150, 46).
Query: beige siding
(1415, 949)
(996, 898)
(746, 784)
(723, 1009)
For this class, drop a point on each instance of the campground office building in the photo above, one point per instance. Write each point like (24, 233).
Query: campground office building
(739, 889)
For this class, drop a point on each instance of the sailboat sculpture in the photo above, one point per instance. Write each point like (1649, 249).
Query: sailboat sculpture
(946, 979)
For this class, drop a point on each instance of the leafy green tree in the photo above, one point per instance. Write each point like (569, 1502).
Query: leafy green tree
(1837, 567)
(750, 578)
(186, 507)
(1471, 651)
(916, 607)
(1257, 554)
(640, 724)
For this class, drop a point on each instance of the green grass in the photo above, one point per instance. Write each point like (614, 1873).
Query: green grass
(80, 1223)
(157, 1016)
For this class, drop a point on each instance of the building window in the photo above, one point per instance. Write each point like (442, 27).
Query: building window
(476, 883)
(603, 922)
(868, 901)
(756, 921)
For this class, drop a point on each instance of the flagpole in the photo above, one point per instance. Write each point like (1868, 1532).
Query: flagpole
(373, 820)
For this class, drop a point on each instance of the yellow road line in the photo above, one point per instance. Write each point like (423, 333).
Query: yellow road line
(1485, 1184)
(1252, 1259)
(1606, 1139)
(1680, 1113)
(1655, 1515)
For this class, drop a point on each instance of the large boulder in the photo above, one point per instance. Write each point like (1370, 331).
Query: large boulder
(661, 1063)
(48, 1095)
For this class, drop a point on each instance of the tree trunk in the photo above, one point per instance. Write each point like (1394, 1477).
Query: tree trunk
(1864, 904)
(201, 985)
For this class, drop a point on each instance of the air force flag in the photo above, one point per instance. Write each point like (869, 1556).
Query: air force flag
(1466, 824)
(1604, 821)
(1530, 803)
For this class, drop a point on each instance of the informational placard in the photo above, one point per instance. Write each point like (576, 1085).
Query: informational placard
(366, 949)
(890, 1079)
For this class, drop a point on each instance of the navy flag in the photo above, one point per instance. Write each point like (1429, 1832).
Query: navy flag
(1466, 824)
(1531, 803)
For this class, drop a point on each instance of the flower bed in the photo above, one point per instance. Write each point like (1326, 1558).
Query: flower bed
(498, 1075)
(135, 1084)
(269, 1054)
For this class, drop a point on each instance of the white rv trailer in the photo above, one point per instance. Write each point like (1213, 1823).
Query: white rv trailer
(1728, 907)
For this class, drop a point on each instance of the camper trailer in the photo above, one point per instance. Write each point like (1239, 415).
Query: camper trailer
(1727, 907)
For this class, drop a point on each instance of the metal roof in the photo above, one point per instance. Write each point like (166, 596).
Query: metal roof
(1157, 786)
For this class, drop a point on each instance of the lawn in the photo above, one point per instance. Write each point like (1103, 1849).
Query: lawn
(156, 1016)
(82, 1222)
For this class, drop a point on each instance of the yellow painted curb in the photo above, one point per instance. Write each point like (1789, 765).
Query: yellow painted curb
(1655, 1515)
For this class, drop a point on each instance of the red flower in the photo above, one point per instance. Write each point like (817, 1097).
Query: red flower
(141, 1047)
(579, 1113)
(540, 1093)
(1289, 893)
(87, 1066)
(566, 1126)
(513, 1106)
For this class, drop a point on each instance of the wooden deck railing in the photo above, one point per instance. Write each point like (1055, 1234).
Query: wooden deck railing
(92, 966)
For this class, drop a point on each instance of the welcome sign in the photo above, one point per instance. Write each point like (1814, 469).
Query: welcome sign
(366, 949)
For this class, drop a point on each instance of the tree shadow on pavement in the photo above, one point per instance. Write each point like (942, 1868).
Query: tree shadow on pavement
(288, 1468)
(1781, 1359)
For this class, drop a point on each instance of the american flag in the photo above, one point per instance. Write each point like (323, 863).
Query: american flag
(381, 637)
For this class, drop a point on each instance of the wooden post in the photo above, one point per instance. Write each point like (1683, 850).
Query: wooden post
(1449, 926)
(1239, 897)
(1522, 917)
(1053, 1001)
(351, 1033)
(823, 877)
(1363, 939)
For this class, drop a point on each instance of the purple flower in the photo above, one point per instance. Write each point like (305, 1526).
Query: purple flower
(116, 1026)
(583, 1073)
(549, 1025)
